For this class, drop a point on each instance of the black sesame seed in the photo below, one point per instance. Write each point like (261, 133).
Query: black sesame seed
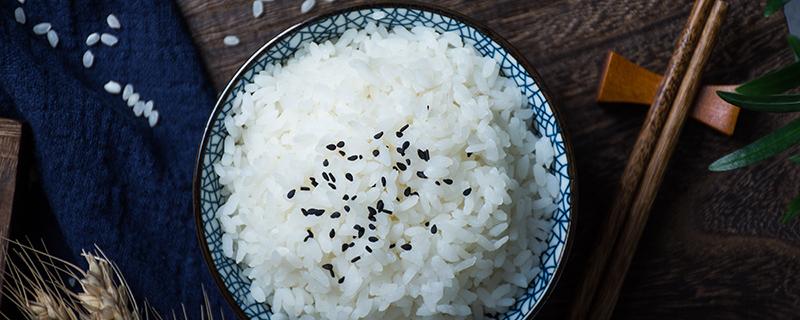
(387, 211)
(424, 155)
(391, 246)
(434, 229)
(371, 226)
(421, 175)
(333, 179)
(360, 230)
(404, 128)
(304, 211)
(347, 208)
(373, 185)
(352, 158)
(354, 197)
(407, 191)
(360, 157)
(345, 197)
(469, 154)
(290, 194)
(372, 211)
(344, 247)
(437, 183)
(325, 163)
(383, 181)
(373, 239)
(467, 192)
(375, 153)
(316, 212)
(327, 266)
(401, 151)
(331, 147)
(401, 166)
(341, 280)
(397, 199)
(368, 249)
(427, 223)
(428, 107)
(305, 189)
(406, 246)
(355, 259)
(406, 145)
(314, 182)
(340, 144)
(348, 176)
(332, 233)
(351, 244)
(448, 181)
(333, 186)
(325, 176)
(379, 205)
(408, 161)
(342, 153)
(398, 134)
(309, 236)
(378, 135)
(415, 193)
(372, 218)
(335, 214)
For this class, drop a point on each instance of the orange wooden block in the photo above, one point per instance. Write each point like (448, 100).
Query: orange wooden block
(626, 82)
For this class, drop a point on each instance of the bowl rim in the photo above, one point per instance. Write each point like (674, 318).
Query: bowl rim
(379, 4)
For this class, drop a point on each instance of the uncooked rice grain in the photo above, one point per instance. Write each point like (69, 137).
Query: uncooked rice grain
(258, 8)
(127, 91)
(433, 250)
(152, 119)
(307, 5)
(88, 59)
(112, 87)
(42, 28)
(93, 39)
(113, 22)
(52, 38)
(230, 40)
(108, 39)
(133, 99)
(19, 15)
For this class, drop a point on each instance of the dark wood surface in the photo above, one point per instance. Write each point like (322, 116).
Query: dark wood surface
(714, 247)
(10, 136)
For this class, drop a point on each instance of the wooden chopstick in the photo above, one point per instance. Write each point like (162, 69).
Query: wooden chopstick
(608, 293)
(640, 157)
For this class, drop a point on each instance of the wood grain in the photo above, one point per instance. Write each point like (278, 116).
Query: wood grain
(714, 247)
(631, 233)
(625, 82)
(594, 285)
(10, 136)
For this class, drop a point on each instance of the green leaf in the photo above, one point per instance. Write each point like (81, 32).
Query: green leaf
(794, 43)
(773, 6)
(763, 148)
(776, 103)
(775, 82)
(792, 211)
(795, 158)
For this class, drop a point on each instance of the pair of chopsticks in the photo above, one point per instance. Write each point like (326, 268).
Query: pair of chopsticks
(647, 164)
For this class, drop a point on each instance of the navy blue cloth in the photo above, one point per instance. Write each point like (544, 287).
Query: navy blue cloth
(93, 172)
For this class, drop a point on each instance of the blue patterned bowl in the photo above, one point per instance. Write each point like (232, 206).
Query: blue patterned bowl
(207, 189)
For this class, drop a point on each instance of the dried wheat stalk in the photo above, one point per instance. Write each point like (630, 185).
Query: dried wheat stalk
(35, 284)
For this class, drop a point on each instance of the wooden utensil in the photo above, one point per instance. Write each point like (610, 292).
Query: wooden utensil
(640, 157)
(10, 134)
(626, 244)
(626, 82)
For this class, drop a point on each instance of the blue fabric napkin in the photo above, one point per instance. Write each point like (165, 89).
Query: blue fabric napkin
(102, 175)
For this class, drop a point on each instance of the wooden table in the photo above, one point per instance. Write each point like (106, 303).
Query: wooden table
(714, 247)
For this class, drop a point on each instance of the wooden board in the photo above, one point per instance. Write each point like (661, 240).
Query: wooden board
(714, 247)
(10, 136)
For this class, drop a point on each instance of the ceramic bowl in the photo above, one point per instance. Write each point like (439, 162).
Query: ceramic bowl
(207, 189)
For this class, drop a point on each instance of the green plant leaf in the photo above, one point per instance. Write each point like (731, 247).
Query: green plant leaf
(795, 158)
(776, 103)
(794, 43)
(773, 6)
(775, 82)
(763, 148)
(792, 211)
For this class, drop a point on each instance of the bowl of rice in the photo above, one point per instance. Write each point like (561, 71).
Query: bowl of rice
(388, 160)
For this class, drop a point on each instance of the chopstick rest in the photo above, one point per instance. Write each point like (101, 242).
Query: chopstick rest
(626, 82)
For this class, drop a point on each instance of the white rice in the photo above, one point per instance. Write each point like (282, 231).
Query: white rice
(152, 119)
(133, 99)
(479, 208)
(307, 5)
(112, 87)
(113, 22)
(127, 91)
(92, 39)
(52, 38)
(88, 59)
(42, 28)
(19, 15)
(230, 41)
(258, 8)
(108, 39)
